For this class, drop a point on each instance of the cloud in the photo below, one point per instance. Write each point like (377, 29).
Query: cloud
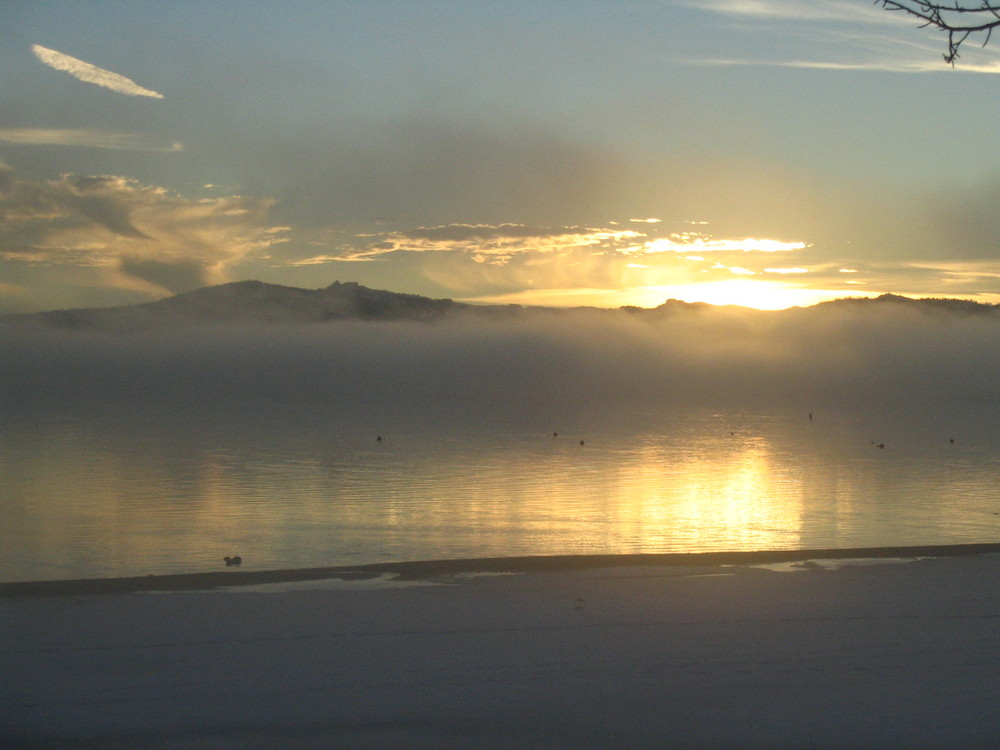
(487, 232)
(89, 138)
(501, 244)
(687, 241)
(88, 73)
(837, 35)
(886, 64)
(843, 11)
(133, 236)
(484, 243)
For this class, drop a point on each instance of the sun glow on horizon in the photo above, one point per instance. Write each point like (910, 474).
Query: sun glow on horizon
(760, 295)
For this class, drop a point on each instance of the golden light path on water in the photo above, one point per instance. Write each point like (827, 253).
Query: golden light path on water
(740, 496)
(115, 509)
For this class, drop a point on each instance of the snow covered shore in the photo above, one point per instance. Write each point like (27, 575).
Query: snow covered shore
(592, 655)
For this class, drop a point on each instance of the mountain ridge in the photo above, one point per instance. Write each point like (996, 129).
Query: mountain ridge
(261, 302)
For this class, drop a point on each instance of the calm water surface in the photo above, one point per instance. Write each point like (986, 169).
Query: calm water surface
(88, 497)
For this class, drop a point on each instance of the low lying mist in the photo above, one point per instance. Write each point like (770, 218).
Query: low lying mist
(543, 368)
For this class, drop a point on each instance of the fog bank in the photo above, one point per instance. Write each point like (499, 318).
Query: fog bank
(542, 366)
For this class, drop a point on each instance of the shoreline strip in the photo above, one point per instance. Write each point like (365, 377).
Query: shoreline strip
(417, 570)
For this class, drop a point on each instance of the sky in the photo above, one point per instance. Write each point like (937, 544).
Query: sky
(767, 153)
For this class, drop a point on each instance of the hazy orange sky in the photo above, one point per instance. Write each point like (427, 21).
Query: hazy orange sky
(771, 153)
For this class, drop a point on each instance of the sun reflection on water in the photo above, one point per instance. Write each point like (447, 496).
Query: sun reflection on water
(692, 497)
(129, 504)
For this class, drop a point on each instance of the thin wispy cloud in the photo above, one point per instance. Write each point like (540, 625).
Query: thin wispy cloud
(88, 73)
(484, 243)
(886, 66)
(837, 35)
(88, 138)
(795, 10)
(696, 241)
(911, 66)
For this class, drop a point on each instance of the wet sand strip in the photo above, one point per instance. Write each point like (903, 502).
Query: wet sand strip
(427, 569)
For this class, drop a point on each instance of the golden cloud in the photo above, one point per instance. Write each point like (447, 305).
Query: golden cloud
(137, 233)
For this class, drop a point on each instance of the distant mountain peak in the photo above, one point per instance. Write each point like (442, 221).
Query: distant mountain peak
(254, 302)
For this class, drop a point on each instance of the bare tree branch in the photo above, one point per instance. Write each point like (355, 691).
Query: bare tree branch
(957, 20)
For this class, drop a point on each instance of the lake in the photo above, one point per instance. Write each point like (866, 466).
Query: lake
(135, 493)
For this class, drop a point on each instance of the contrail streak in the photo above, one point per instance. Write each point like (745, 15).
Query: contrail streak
(91, 73)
